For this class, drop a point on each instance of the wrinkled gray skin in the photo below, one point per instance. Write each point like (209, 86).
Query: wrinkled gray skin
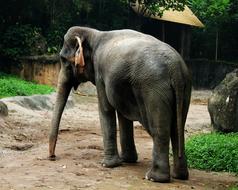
(141, 79)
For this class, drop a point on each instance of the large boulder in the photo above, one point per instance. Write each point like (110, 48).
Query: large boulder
(223, 104)
(87, 89)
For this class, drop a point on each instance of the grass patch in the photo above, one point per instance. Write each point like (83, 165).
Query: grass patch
(233, 188)
(14, 86)
(214, 152)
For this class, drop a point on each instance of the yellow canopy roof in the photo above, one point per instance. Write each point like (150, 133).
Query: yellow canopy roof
(184, 17)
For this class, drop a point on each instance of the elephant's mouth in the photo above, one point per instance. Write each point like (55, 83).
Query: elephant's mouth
(73, 72)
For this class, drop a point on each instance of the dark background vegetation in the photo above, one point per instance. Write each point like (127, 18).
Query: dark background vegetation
(33, 27)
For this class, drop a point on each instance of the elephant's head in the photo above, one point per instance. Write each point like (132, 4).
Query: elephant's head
(76, 54)
(76, 67)
(72, 54)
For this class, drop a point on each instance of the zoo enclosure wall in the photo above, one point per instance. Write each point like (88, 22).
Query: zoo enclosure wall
(44, 69)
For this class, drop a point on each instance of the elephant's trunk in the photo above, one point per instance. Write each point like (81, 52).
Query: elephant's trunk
(62, 96)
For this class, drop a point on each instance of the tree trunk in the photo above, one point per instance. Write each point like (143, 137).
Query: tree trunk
(52, 12)
(216, 52)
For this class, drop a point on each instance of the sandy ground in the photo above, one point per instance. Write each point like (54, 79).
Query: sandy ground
(24, 151)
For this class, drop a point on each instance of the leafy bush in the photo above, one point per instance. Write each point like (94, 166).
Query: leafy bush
(215, 152)
(19, 40)
(13, 86)
(233, 188)
(54, 38)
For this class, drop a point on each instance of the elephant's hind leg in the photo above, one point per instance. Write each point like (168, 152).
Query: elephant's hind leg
(128, 149)
(159, 122)
(180, 170)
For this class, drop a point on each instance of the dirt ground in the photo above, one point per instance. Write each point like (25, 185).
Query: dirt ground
(24, 151)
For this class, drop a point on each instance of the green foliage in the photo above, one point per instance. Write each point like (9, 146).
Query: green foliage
(20, 40)
(13, 86)
(215, 152)
(102, 14)
(220, 19)
(233, 187)
(83, 5)
(52, 19)
(156, 7)
(54, 38)
(212, 12)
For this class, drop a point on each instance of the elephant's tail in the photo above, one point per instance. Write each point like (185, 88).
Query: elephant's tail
(179, 93)
(181, 82)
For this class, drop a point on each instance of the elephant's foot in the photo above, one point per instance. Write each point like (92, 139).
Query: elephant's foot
(52, 158)
(112, 161)
(157, 176)
(180, 173)
(129, 157)
(180, 169)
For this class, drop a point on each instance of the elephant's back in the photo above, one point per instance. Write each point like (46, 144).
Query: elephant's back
(136, 57)
(127, 47)
(127, 37)
(131, 44)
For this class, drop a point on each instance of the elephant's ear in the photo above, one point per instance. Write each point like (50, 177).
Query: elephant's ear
(79, 59)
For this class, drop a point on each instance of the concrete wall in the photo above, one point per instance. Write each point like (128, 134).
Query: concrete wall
(44, 70)
(208, 74)
(41, 69)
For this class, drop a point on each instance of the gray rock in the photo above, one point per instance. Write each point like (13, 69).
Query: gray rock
(87, 89)
(37, 102)
(3, 109)
(223, 104)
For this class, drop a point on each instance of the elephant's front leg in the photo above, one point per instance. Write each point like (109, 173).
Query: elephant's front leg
(108, 125)
(128, 149)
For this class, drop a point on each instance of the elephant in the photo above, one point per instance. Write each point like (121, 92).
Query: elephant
(138, 78)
